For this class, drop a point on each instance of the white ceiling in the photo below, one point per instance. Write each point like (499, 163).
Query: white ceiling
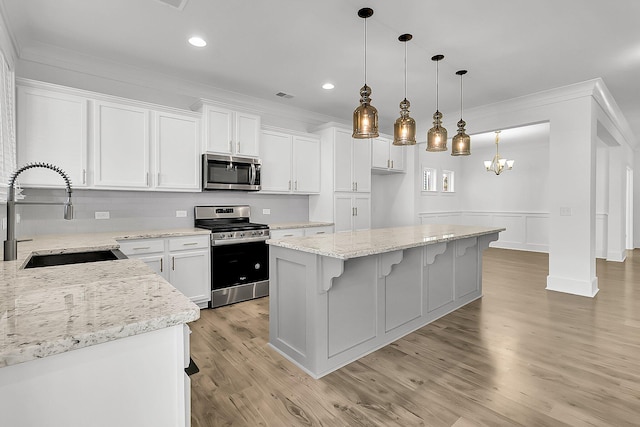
(511, 48)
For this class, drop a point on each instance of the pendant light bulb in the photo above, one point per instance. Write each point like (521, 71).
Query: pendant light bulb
(461, 143)
(404, 129)
(437, 135)
(365, 116)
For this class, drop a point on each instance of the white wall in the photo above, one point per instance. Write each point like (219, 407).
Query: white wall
(525, 188)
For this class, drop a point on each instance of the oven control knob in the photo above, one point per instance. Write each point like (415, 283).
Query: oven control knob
(241, 234)
(230, 235)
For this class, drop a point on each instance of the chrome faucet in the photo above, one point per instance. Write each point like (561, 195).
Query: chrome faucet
(11, 244)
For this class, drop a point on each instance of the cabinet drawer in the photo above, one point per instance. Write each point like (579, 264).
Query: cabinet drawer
(142, 246)
(189, 242)
(284, 233)
(312, 231)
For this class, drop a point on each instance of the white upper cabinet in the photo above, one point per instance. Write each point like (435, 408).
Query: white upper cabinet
(352, 162)
(177, 152)
(52, 128)
(230, 132)
(386, 157)
(126, 145)
(275, 153)
(290, 162)
(306, 164)
(121, 145)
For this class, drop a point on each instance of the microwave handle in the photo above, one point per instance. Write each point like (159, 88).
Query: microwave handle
(252, 174)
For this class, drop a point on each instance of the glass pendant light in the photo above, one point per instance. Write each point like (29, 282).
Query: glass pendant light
(437, 135)
(404, 129)
(461, 143)
(365, 117)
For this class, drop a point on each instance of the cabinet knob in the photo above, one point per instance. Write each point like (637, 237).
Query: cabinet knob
(388, 163)
(296, 185)
(84, 176)
(391, 164)
(161, 265)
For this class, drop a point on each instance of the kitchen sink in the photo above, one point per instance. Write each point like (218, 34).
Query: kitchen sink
(73, 258)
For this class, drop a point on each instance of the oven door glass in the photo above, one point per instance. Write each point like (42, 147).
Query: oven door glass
(240, 263)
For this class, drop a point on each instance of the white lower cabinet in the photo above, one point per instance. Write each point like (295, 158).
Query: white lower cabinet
(182, 261)
(352, 212)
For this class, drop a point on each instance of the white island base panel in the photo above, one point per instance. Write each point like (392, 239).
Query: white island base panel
(326, 312)
(134, 381)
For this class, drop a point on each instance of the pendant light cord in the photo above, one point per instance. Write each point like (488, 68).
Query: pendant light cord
(437, 89)
(365, 51)
(405, 70)
(461, 97)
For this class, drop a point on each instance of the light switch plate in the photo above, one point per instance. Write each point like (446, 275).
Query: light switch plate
(266, 211)
(102, 215)
(565, 211)
(181, 214)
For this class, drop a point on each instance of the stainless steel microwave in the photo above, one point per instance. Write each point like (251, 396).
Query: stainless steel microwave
(221, 172)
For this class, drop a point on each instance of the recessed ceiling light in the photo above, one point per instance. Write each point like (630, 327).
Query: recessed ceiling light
(328, 86)
(197, 42)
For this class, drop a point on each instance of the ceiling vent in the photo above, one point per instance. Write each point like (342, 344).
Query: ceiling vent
(284, 95)
(177, 4)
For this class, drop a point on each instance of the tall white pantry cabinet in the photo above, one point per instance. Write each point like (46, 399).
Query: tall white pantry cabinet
(345, 188)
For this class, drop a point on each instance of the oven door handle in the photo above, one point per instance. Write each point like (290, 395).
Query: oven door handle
(238, 241)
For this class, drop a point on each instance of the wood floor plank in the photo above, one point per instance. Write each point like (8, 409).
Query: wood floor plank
(521, 355)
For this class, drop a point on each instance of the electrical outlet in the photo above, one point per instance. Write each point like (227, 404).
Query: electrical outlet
(266, 211)
(102, 215)
(181, 214)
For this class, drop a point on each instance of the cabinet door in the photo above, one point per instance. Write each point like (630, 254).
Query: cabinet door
(52, 128)
(247, 135)
(362, 165)
(121, 146)
(362, 208)
(397, 154)
(343, 161)
(275, 153)
(189, 273)
(177, 146)
(157, 263)
(344, 212)
(218, 130)
(380, 153)
(306, 165)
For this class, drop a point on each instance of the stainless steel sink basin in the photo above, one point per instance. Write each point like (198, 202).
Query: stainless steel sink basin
(73, 258)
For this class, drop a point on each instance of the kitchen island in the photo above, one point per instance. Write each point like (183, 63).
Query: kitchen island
(101, 343)
(337, 297)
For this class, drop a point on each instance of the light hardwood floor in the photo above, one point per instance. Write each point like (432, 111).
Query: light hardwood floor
(521, 355)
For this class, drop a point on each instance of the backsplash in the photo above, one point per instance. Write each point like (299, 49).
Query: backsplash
(138, 210)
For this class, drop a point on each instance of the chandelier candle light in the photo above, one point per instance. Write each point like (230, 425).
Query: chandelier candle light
(365, 116)
(404, 129)
(498, 164)
(437, 135)
(461, 143)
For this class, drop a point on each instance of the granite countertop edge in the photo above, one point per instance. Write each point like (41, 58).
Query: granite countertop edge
(301, 224)
(311, 244)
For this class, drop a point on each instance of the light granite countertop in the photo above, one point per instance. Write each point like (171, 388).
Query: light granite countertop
(303, 224)
(354, 244)
(51, 310)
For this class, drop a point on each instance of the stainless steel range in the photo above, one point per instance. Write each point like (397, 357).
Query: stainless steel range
(239, 254)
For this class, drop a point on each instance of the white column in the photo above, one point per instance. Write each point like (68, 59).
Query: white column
(572, 151)
(616, 232)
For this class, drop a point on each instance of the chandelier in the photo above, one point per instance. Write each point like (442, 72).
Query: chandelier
(498, 165)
